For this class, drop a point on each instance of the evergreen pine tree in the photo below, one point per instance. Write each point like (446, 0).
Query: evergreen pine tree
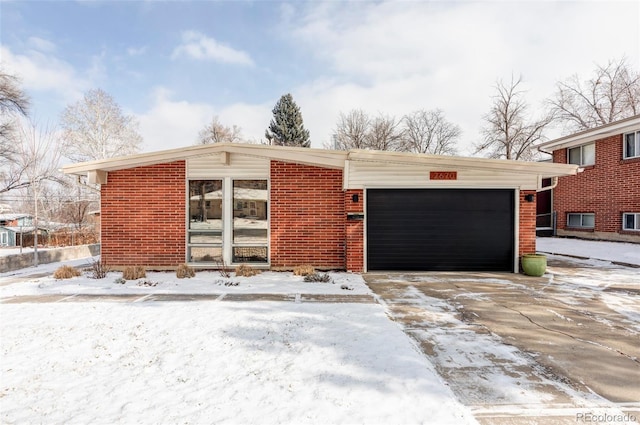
(286, 127)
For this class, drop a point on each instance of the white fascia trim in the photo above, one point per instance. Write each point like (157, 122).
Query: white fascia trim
(591, 135)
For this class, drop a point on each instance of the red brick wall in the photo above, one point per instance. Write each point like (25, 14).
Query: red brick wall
(143, 214)
(354, 231)
(608, 188)
(527, 224)
(307, 216)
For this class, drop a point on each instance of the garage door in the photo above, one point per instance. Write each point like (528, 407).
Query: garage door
(440, 229)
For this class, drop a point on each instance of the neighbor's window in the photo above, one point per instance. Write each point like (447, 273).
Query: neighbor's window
(586, 221)
(205, 221)
(632, 145)
(582, 155)
(631, 221)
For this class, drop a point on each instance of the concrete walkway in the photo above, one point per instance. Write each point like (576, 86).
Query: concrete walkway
(136, 298)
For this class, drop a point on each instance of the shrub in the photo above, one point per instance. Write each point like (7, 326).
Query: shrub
(224, 269)
(97, 270)
(246, 271)
(303, 270)
(66, 272)
(133, 272)
(318, 277)
(184, 270)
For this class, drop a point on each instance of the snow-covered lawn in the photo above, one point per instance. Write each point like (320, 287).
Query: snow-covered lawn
(611, 251)
(211, 361)
(227, 362)
(215, 362)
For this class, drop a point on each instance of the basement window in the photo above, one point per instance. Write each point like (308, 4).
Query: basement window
(582, 155)
(581, 220)
(631, 145)
(631, 221)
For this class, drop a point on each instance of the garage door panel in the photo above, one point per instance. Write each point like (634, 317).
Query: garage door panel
(440, 229)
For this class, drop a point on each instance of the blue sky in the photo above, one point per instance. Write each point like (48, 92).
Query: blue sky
(174, 65)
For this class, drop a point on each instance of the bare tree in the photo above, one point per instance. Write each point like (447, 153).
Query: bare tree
(351, 131)
(611, 95)
(356, 130)
(216, 132)
(39, 156)
(385, 133)
(14, 103)
(95, 128)
(508, 132)
(429, 132)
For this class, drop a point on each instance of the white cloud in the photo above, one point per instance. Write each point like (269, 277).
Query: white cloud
(395, 57)
(136, 51)
(172, 124)
(45, 73)
(198, 46)
(41, 44)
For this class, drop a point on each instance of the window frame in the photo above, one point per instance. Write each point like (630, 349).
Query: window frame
(206, 245)
(636, 142)
(582, 216)
(582, 161)
(246, 204)
(636, 216)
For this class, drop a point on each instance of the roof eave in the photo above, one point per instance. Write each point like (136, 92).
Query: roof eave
(591, 135)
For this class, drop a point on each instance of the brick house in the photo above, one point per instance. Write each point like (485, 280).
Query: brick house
(279, 207)
(602, 201)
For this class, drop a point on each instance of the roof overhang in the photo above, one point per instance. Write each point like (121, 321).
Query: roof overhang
(619, 127)
(97, 171)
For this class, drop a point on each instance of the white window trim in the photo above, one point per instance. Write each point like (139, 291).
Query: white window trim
(227, 244)
(582, 164)
(636, 142)
(637, 221)
(581, 220)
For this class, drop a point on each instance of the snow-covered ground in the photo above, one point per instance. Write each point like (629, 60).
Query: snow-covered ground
(621, 252)
(210, 361)
(219, 362)
(16, 250)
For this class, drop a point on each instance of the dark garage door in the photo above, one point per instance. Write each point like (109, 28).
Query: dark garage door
(440, 229)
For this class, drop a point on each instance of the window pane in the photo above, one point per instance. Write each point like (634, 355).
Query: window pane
(205, 204)
(210, 238)
(199, 254)
(629, 222)
(589, 154)
(574, 220)
(588, 220)
(574, 156)
(250, 212)
(250, 254)
(630, 145)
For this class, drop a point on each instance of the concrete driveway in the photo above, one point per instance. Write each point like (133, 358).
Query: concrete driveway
(563, 348)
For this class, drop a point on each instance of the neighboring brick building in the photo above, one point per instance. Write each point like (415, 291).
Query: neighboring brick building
(603, 200)
(280, 207)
